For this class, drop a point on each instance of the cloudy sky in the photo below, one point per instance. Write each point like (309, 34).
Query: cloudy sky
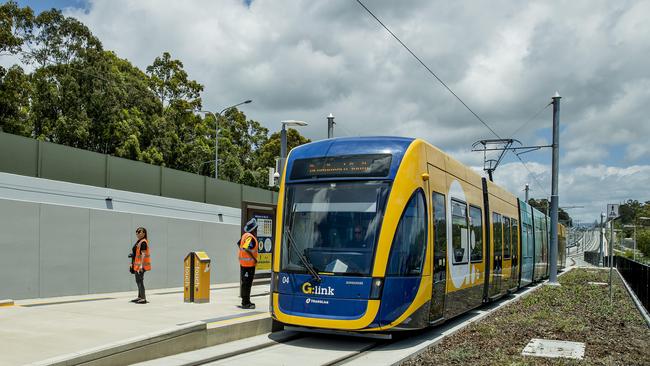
(505, 59)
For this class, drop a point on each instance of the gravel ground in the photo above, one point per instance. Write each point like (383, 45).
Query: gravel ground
(576, 311)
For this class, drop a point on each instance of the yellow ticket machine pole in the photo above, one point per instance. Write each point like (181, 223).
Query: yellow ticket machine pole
(196, 277)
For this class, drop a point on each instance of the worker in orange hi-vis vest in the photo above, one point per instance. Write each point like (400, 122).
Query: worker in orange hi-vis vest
(247, 260)
(140, 262)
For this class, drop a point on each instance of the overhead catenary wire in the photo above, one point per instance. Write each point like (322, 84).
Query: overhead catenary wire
(530, 173)
(428, 69)
(454, 94)
(530, 119)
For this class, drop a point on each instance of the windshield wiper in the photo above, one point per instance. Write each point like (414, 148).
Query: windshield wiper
(305, 261)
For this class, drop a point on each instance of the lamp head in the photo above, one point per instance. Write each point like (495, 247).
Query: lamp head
(292, 122)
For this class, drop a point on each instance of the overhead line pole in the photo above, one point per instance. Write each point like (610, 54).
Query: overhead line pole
(554, 188)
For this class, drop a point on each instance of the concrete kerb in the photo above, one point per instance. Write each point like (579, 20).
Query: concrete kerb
(185, 338)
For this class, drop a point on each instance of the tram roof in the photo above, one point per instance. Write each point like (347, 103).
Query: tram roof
(341, 146)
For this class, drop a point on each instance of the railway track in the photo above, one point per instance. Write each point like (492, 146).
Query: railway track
(292, 348)
(308, 349)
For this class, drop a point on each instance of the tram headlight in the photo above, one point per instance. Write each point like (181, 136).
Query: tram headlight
(376, 287)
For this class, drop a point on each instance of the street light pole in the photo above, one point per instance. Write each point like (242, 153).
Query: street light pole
(330, 126)
(216, 131)
(611, 256)
(283, 140)
(554, 188)
(600, 231)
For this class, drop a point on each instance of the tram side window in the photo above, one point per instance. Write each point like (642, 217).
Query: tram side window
(507, 238)
(498, 234)
(515, 237)
(410, 241)
(440, 228)
(528, 234)
(459, 232)
(476, 232)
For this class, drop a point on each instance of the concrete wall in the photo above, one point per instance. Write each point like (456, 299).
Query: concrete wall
(53, 250)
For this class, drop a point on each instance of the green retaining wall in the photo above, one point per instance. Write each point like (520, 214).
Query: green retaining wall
(30, 157)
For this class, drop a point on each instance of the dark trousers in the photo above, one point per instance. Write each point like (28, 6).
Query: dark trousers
(246, 275)
(139, 280)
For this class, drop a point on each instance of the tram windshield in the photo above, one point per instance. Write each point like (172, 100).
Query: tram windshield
(333, 225)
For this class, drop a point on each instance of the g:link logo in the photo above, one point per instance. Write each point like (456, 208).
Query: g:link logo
(310, 289)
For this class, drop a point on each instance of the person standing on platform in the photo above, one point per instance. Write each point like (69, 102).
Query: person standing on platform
(247, 260)
(140, 262)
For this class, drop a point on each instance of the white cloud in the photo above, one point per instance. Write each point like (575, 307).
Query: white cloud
(305, 59)
(590, 186)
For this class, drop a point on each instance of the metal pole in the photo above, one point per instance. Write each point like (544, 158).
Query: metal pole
(527, 189)
(634, 241)
(216, 146)
(330, 126)
(611, 256)
(283, 148)
(554, 188)
(600, 231)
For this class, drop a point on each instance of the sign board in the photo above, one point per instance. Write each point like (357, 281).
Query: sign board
(612, 211)
(265, 240)
(265, 216)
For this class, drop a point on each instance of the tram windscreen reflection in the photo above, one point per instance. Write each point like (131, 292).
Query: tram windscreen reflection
(334, 225)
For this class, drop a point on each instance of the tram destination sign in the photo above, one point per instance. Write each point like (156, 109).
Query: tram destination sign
(367, 165)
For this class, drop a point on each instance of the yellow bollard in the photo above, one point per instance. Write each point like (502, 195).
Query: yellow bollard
(196, 278)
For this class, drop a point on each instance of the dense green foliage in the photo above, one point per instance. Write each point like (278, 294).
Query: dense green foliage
(83, 96)
(634, 214)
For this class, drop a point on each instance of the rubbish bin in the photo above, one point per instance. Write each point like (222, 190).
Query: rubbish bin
(196, 278)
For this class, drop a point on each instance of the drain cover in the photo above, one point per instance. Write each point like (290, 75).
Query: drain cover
(554, 349)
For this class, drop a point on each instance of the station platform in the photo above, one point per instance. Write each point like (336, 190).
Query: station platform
(105, 329)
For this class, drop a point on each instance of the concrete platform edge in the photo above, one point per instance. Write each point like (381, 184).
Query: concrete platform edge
(189, 337)
(107, 350)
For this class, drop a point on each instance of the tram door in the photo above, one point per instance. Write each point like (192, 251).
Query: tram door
(439, 278)
(497, 256)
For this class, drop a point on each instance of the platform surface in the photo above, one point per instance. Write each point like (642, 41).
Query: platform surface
(39, 329)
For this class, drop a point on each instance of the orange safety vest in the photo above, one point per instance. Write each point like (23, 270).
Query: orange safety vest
(137, 261)
(245, 259)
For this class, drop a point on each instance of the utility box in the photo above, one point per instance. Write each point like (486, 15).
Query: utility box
(196, 277)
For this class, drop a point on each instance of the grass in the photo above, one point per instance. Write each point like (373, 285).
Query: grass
(614, 334)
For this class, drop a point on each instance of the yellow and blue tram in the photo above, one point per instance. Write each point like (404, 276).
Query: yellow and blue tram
(389, 233)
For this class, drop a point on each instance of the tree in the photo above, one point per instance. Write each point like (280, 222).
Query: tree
(81, 95)
(643, 241)
(57, 39)
(15, 89)
(170, 83)
(239, 141)
(271, 149)
(15, 27)
(628, 211)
